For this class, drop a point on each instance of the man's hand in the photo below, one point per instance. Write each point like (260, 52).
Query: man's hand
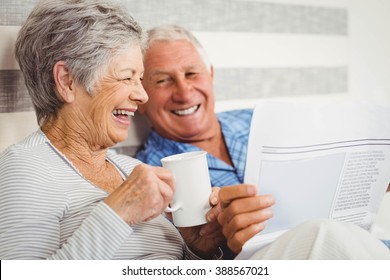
(205, 240)
(244, 213)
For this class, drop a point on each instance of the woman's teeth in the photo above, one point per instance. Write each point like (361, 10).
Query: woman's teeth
(122, 112)
(187, 111)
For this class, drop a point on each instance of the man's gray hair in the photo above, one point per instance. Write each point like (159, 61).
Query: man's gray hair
(170, 32)
(85, 34)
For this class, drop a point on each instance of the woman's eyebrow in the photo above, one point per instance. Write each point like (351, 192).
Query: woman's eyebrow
(132, 70)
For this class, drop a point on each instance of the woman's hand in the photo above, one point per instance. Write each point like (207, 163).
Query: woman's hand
(243, 213)
(144, 195)
(205, 240)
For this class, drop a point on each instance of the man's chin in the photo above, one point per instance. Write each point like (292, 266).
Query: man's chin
(189, 137)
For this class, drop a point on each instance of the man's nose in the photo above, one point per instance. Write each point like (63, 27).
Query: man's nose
(182, 91)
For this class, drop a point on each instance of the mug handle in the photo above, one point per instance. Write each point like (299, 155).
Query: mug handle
(174, 208)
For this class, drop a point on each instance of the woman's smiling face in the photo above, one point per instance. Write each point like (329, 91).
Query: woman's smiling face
(108, 112)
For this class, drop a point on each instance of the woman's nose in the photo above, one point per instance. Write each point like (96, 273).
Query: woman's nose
(139, 95)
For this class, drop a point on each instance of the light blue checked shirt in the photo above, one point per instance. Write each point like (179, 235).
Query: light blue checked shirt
(235, 128)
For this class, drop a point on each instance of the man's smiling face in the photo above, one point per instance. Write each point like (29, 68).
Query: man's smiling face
(180, 89)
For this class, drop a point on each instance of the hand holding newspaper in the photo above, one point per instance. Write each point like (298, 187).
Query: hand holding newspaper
(319, 160)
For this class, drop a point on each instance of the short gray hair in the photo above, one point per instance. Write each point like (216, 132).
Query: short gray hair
(85, 34)
(171, 32)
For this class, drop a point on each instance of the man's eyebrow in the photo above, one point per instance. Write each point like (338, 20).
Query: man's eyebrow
(193, 66)
(158, 72)
(186, 68)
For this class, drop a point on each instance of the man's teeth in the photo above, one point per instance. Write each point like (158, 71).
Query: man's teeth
(123, 112)
(186, 111)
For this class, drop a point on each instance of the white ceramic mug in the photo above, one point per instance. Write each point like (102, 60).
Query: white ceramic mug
(191, 199)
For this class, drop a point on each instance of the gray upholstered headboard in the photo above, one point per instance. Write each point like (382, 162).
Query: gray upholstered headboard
(258, 48)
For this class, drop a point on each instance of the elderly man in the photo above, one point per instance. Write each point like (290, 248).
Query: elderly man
(178, 78)
(179, 81)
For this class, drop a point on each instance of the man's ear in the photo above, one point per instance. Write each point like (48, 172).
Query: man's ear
(64, 82)
(212, 71)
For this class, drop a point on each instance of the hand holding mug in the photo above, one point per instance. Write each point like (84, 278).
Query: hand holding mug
(143, 195)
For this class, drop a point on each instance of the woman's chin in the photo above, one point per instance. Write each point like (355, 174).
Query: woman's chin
(119, 137)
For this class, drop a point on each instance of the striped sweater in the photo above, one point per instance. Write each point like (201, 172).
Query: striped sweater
(49, 211)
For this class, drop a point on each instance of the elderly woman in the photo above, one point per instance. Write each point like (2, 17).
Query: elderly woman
(63, 195)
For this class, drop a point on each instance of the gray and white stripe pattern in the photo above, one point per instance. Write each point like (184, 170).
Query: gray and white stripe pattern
(49, 211)
(258, 48)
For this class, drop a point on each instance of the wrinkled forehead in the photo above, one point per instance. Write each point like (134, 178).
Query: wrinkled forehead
(163, 54)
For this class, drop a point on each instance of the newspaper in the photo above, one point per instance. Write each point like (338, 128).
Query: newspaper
(319, 160)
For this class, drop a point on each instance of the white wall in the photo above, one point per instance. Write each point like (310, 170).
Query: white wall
(367, 47)
(370, 50)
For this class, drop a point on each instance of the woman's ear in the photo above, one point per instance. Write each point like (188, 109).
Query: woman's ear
(64, 82)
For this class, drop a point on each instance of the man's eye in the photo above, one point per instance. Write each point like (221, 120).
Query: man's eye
(190, 74)
(161, 81)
